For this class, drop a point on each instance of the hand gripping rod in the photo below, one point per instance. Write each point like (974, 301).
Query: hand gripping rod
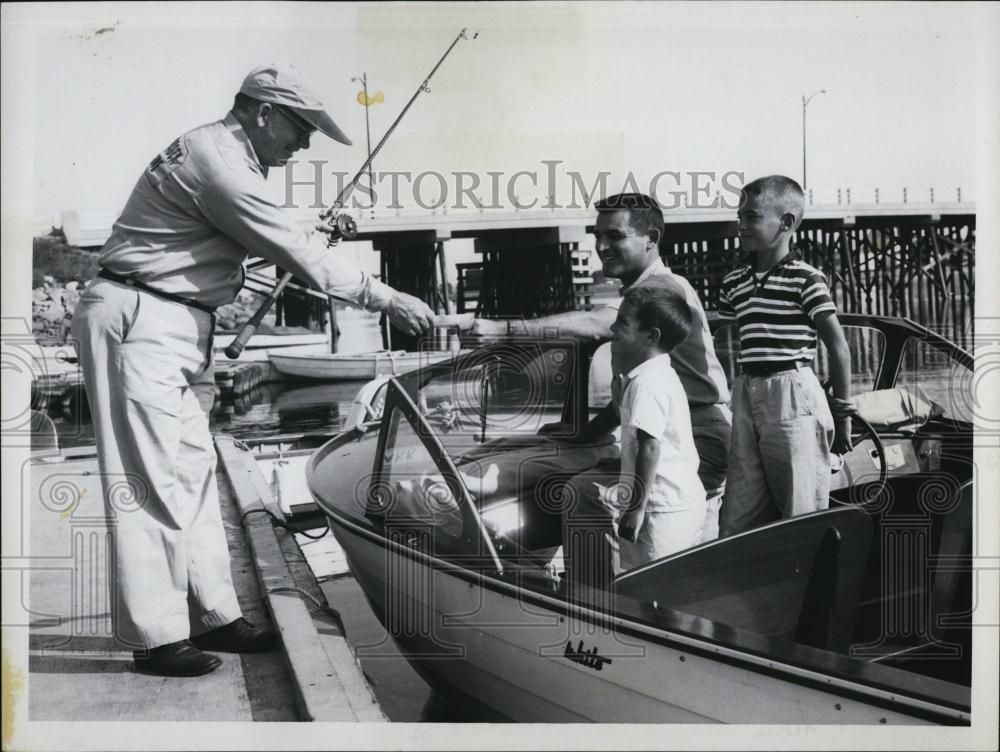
(332, 223)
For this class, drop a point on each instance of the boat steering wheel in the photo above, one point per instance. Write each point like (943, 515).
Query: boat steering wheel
(865, 430)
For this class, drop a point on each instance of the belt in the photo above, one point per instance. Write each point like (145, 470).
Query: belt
(132, 282)
(766, 369)
(706, 406)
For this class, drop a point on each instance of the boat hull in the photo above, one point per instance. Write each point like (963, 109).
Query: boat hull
(533, 658)
(260, 348)
(352, 367)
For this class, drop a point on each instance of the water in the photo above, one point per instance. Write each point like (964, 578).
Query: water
(285, 408)
(268, 410)
(401, 693)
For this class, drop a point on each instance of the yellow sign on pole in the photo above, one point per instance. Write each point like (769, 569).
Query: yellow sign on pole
(368, 100)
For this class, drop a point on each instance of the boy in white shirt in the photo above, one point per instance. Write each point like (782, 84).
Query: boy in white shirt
(656, 504)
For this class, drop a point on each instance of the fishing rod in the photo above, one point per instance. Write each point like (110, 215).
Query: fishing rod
(333, 223)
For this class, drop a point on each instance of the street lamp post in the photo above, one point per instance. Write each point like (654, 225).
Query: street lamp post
(368, 133)
(805, 103)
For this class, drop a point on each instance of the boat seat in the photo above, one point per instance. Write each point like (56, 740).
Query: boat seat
(535, 476)
(819, 621)
(923, 527)
(954, 548)
(795, 579)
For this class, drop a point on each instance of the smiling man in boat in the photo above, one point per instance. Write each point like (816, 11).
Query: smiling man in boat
(627, 234)
(143, 331)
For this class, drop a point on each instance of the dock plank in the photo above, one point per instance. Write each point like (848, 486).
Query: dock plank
(78, 669)
(270, 690)
(329, 681)
(74, 686)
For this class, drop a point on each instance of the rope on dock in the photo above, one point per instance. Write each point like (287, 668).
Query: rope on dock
(320, 606)
(275, 520)
(330, 685)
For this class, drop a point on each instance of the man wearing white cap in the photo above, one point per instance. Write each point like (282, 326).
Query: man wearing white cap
(143, 331)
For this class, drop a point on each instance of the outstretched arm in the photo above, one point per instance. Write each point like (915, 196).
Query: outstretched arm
(241, 208)
(604, 422)
(830, 332)
(579, 325)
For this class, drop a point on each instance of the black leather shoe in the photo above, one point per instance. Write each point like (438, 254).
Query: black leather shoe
(175, 659)
(239, 636)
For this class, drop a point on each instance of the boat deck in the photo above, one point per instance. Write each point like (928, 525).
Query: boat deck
(79, 671)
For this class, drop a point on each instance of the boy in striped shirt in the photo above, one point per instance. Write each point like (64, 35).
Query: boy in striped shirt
(783, 430)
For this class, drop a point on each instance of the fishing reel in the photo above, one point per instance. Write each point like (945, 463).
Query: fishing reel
(337, 227)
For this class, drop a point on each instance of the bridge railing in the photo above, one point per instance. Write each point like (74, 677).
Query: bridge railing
(892, 196)
(916, 266)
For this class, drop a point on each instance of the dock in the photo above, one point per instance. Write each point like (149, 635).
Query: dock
(79, 671)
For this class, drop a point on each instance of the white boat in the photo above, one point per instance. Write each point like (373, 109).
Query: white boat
(259, 348)
(272, 341)
(307, 364)
(837, 617)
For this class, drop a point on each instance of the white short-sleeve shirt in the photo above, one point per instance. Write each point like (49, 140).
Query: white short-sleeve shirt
(653, 400)
(694, 359)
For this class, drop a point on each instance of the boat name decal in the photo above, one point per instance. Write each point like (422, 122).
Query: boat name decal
(588, 658)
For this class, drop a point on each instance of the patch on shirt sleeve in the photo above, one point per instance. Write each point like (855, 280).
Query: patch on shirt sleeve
(167, 160)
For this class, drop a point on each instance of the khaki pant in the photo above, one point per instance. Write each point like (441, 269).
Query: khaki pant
(712, 426)
(148, 369)
(549, 463)
(779, 460)
(594, 554)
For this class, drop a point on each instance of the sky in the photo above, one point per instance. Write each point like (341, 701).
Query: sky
(641, 88)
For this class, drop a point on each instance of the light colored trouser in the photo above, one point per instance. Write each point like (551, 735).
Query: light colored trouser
(712, 427)
(594, 555)
(779, 461)
(550, 463)
(149, 375)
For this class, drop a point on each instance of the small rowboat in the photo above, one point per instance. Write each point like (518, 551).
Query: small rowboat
(260, 347)
(308, 364)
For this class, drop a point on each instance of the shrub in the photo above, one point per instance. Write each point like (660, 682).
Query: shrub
(53, 257)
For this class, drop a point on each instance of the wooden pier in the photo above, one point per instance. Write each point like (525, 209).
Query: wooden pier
(79, 671)
(234, 379)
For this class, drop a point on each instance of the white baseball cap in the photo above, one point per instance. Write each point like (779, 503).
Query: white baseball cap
(284, 85)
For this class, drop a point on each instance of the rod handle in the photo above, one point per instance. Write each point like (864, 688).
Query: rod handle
(250, 328)
(236, 346)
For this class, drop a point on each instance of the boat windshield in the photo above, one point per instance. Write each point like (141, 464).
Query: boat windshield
(506, 391)
(927, 370)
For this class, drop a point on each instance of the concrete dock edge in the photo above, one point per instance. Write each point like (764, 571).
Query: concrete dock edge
(330, 684)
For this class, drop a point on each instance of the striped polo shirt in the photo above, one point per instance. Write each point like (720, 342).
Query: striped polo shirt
(777, 312)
